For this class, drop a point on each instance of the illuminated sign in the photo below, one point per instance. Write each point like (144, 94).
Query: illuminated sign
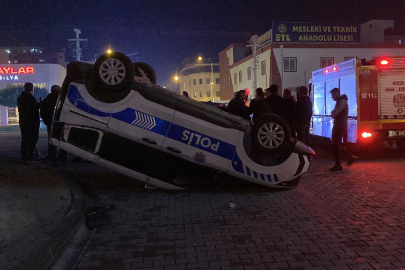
(288, 32)
(12, 70)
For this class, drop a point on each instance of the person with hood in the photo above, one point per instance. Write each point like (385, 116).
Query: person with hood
(28, 110)
(303, 114)
(339, 131)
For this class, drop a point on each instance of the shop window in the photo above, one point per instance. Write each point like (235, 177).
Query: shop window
(327, 61)
(249, 73)
(263, 67)
(290, 64)
(240, 76)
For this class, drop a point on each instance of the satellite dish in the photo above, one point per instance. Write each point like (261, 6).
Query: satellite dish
(253, 40)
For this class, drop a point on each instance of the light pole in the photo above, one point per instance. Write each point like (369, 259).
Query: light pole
(212, 74)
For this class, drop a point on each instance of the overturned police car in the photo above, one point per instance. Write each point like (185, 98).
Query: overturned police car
(113, 114)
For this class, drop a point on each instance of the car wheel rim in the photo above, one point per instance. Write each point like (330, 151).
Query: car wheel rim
(271, 135)
(112, 71)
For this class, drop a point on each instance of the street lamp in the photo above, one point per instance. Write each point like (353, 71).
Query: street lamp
(212, 74)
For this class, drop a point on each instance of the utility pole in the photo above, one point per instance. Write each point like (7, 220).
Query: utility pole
(78, 50)
(255, 46)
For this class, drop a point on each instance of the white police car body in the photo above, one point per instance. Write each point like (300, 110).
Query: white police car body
(153, 135)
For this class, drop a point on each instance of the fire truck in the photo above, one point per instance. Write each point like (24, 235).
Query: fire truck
(376, 99)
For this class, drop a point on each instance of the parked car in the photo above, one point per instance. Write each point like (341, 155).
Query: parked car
(113, 114)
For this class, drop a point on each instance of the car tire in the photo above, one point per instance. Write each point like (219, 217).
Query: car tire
(270, 134)
(114, 72)
(149, 71)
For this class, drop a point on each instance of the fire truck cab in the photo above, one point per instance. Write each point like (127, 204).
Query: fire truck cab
(376, 99)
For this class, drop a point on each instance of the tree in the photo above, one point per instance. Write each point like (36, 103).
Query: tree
(9, 95)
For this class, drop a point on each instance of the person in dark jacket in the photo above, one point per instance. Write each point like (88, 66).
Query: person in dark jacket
(277, 103)
(47, 107)
(258, 105)
(339, 131)
(290, 107)
(28, 110)
(237, 105)
(303, 114)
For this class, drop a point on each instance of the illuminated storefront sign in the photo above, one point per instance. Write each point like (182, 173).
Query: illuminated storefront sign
(20, 70)
(12, 73)
(288, 32)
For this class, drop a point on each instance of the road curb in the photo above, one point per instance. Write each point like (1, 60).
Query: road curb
(46, 254)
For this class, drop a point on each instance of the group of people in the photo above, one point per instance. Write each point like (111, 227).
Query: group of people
(297, 113)
(29, 120)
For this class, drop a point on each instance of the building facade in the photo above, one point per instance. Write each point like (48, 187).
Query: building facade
(41, 75)
(200, 79)
(288, 55)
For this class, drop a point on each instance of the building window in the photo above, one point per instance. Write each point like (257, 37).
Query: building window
(290, 64)
(201, 94)
(249, 73)
(208, 94)
(195, 81)
(235, 77)
(240, 76)
(217, 80)
(327, 61)
(31, 50)
(263, 67)
(218, 93)
(200, 81)
(195, 94)
(208, 81)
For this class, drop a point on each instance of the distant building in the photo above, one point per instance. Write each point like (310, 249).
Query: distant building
(19, 65)
(288, 53)
(200, 79)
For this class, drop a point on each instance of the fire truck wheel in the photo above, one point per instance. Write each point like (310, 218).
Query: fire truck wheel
(114, 72)
(149, 72)
(270, 134)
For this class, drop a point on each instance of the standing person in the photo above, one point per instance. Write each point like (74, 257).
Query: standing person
(185, 94)
(28, 110)
(237, 105)
(339, 131)
(277, 103)
(303, 114)
(47, 107)
(290, 107)
(258, 105)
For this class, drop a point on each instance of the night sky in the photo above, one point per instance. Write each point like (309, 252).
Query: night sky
(165, 32)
